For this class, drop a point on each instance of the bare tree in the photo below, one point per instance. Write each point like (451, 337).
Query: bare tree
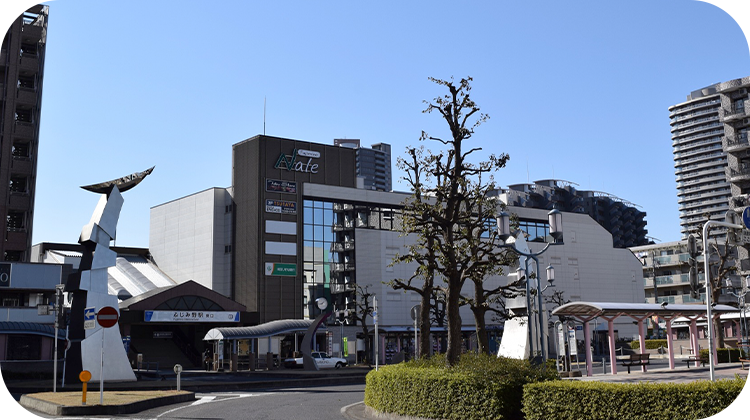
(363, 308)
(451, 211)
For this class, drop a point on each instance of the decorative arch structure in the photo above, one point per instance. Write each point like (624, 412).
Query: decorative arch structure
(609, 311)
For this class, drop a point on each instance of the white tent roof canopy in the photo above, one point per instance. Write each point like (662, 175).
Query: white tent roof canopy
(610, 309)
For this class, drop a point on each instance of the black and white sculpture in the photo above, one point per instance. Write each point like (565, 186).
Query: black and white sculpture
(89, 288)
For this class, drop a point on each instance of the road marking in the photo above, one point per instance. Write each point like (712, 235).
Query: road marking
(212, 398)
(10, 415)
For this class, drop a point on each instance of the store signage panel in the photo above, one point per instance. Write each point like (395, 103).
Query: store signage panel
(293, 164)
(280, 269)
(275, 185)
(281, 207)
(191, 316)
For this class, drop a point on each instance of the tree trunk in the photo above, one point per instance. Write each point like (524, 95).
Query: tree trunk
(424, 326)
(480, 310)
(719, 334)
(455, 340)
(368, 344)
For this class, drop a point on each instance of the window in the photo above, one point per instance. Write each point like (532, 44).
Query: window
(13, 255)
(18, 184)
(21, 150)
(24, 347)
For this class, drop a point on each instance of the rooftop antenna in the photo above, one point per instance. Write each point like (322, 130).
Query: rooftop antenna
(528, 178)
(264, 115)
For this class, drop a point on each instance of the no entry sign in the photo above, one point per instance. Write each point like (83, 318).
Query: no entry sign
(107, 317)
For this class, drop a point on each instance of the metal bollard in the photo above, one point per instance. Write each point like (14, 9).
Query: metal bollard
(178, 371)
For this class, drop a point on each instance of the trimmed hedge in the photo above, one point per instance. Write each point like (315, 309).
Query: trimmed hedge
(479, 387)
(650, 344)
(578, 400)
(723, 354)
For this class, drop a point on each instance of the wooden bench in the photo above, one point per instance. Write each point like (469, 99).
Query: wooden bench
(636, 359)
(743, 361)
(692, 359)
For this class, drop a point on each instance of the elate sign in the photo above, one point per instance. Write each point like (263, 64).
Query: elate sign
(107, 317)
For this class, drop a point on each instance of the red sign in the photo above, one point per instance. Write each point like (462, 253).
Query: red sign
(107, 317)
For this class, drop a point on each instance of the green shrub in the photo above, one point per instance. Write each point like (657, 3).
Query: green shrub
(723, 354)
(479, 387)
(650, 344)
(577, 400)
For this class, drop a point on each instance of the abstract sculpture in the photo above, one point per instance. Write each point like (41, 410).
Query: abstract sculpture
(89, 288)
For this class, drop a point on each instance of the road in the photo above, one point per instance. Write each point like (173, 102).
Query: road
(319, 403)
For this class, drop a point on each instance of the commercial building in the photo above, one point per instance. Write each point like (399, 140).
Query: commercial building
(305, 226)
(622, 219)
(21, 75)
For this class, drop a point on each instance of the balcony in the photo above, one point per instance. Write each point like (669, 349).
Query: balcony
(735, 143)
(677, 299)
(29, 63)
(24, 129)
(733, 113)
(739, 201)
(342, 246)
(342, 288)
(26, 96)
(739, 175)
(340, 267)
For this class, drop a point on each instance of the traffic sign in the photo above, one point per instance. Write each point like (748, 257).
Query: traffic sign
(84, 376)
(746, 217)
(107, 317)
(89, 320)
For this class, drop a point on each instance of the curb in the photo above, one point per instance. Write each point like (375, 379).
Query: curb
(47, 407)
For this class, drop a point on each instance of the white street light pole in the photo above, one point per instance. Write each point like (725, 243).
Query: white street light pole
(555, 230)
(707, 273)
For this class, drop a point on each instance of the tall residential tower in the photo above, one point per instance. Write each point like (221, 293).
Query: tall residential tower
(21, 75)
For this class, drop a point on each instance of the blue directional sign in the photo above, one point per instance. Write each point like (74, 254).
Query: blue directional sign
(89, 318)
(746, 217)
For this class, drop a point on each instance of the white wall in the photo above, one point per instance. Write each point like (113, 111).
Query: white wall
(187, 239)
(587, 268)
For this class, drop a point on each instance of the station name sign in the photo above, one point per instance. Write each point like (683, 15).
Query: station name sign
(191, 316)
(291, 163)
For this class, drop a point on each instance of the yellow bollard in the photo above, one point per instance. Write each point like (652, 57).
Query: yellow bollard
(85, 377)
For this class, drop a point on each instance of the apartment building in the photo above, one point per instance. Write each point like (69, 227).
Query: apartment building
(21, 75)
(699, 159)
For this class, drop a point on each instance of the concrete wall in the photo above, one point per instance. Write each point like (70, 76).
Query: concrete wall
(188, 236)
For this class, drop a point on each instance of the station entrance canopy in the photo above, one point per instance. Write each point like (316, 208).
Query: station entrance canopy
(269, 329)
(609, 311)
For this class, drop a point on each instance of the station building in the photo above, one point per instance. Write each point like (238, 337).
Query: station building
(297, 224)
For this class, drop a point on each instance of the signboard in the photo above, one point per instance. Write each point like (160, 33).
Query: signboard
(281, 207)
(191, 316)
(742, 236)
(126, 343)
(5, 274)
(346, 346)
(572, 343)
(107, 317)
(281, 269)
(89, 320)
(274, 185)
(292, 163)
(746, 217)
(42, 309)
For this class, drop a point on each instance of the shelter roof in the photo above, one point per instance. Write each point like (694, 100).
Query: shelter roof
(607, 309)
(16, 327)
(269, 329)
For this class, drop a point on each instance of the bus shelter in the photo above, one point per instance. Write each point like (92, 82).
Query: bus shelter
(609, 311)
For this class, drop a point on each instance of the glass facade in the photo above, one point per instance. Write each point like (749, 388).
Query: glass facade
(535, 231)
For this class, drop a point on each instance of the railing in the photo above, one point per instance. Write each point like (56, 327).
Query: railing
(689, 107)
(703, 127)
(694, 114)
(677, 140)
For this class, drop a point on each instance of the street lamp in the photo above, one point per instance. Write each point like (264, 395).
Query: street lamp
(554, 218)
(741, 303)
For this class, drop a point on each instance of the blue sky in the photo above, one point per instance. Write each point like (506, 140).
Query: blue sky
(576, 90)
